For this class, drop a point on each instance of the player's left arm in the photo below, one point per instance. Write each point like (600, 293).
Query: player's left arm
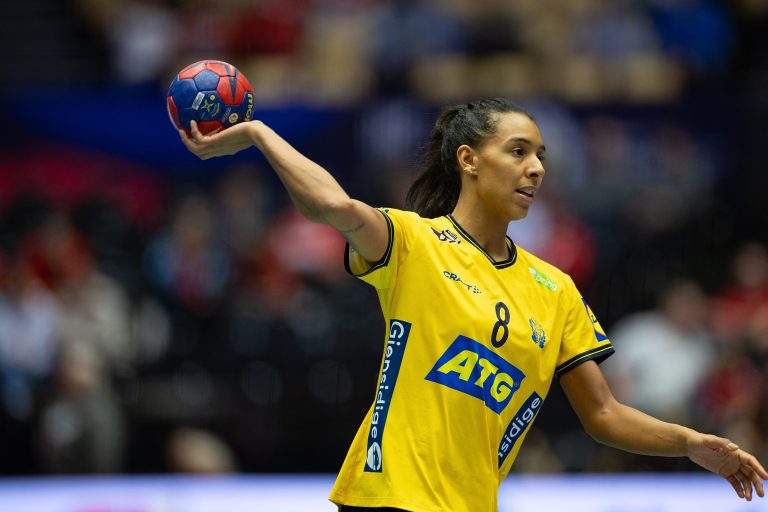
(615, 424)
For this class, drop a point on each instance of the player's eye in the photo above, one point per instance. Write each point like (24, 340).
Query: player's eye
(541, 157)
(518, 152)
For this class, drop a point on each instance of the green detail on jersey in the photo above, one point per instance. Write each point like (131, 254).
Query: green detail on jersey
(543, 279)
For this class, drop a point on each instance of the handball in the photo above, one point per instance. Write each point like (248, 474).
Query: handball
(211, 92)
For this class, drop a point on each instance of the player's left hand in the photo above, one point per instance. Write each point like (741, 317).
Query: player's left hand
(724, 458)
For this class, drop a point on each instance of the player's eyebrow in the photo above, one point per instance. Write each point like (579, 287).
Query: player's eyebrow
(523, 140)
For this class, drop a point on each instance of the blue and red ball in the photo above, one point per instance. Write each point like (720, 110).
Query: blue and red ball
(211, 92)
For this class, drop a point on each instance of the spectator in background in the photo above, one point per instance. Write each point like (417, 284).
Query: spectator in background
(740, 312)
(665, 353)
(93, 307)
(81, 427)
(742, 302)
(242, 207)
(271, 27)
(298, 273)
(186, 262)
(674, 178)
(653, 174)
(611, 167)
(189, 267)
(732, 394)
(143, 35)
(28, 335)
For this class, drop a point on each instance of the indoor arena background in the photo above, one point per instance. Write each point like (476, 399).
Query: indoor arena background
(162, 316)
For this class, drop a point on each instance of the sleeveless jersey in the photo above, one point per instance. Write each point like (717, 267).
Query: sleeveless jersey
(470, 350)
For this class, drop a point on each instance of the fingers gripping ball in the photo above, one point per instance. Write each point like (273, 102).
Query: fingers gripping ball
(211, 92)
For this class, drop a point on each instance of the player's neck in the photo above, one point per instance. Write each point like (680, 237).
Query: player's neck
(487, 231)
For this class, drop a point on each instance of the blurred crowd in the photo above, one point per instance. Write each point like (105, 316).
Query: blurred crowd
(437, 50)
(158, 322)
(343, 51)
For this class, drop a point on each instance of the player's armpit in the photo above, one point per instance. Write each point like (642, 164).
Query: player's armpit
(365, 228)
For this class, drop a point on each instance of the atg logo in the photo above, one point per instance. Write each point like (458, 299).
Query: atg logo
(474, 369)
(390, 368)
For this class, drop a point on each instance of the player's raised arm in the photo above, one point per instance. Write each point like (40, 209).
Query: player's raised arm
(316, 194)
(620, 426)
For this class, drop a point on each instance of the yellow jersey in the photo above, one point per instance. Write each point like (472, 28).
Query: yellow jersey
(470, 350)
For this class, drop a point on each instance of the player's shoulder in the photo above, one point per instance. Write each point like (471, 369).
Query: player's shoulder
(544, 273)
(412, 220)
(401, 214)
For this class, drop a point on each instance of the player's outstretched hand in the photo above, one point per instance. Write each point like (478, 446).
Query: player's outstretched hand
(218, 143)
(724, 458)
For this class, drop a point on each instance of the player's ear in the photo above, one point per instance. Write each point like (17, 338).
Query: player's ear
(465, 156)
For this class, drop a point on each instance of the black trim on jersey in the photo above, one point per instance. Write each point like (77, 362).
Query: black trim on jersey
(598, 355)
(384, 261)
(498, 264)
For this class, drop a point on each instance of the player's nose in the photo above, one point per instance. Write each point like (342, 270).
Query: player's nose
(535, 169)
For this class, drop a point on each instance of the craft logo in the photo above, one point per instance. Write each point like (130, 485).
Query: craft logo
(538, 335)
(599, 332)
(390, 367)
(517, 427)
(453, 277)
(474, 369)
(543, 279)
(446, 235)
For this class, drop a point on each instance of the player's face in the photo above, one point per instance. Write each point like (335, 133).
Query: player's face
(509, 166)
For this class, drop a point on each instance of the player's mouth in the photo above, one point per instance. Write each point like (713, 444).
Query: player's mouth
(527, 193)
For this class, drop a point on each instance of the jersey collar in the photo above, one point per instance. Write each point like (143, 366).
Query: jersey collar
(498, 264)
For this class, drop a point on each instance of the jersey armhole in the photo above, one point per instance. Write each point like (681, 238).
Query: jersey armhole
(597, 355)
(383, 262)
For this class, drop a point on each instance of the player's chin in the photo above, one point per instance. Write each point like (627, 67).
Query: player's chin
(518, 213)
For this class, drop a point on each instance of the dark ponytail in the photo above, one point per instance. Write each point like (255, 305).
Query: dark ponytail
(436, 189)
